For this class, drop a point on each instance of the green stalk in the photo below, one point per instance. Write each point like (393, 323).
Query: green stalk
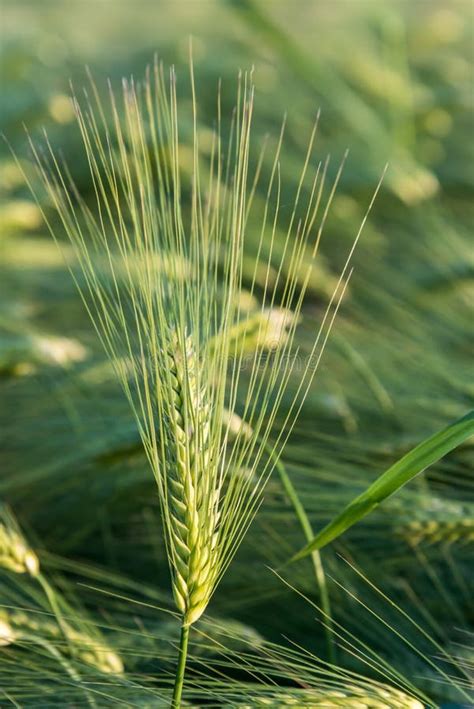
(315, 556)
(183, 652)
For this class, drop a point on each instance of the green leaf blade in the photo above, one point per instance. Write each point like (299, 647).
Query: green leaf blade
(409, 466)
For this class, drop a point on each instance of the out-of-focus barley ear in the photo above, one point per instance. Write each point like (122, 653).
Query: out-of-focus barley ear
(94, 652)
(438, 531)
(371, 697)
(84, 647)
(16, 556)
(15, 553)
(7, 635)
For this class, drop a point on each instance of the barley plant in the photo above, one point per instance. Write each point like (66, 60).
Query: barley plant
(53, 632)
(163, 287)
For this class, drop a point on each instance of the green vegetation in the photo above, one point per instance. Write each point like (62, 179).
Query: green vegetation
(232, 337)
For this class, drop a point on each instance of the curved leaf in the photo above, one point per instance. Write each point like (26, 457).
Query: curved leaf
(404, 470)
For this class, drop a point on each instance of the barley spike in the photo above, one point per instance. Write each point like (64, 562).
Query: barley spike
(15, 554)
(194, 512)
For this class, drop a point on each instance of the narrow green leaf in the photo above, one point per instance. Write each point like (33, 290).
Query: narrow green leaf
(404, 470)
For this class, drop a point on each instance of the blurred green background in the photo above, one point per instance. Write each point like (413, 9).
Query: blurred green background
(393, 80)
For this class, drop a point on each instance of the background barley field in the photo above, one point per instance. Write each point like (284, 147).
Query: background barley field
(393, 81)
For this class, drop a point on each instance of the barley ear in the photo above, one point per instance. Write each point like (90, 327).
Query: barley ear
(193, 501)
(15, 554)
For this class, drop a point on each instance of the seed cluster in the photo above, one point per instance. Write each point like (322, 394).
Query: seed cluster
(15, 554)
(193, 501)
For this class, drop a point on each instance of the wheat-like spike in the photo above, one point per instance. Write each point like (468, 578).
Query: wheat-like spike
(193, 498)
(375, 697)
(438, 531)
(16, 626)
(7, 634)
(15, 554)
(443, 522)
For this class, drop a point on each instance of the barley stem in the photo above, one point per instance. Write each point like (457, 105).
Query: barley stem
(179, 679)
